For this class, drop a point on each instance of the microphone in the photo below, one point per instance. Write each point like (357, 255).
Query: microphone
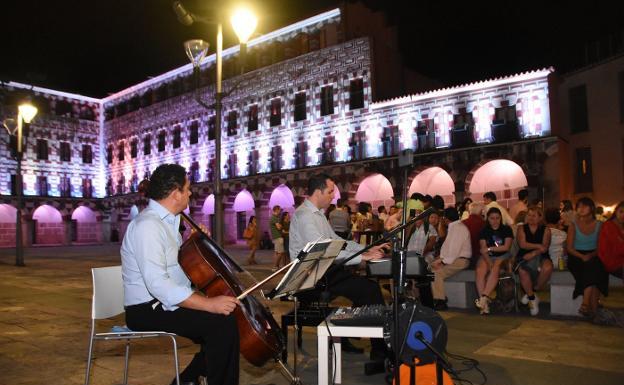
(184, 16)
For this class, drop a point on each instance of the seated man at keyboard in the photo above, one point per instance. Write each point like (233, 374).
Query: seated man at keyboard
(454, 256)
(309, 224)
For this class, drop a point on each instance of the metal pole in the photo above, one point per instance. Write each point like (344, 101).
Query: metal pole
(19, 251)
(218, 236)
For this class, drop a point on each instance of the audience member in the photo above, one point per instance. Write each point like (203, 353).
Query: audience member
(381, 213)
(422, 239)
(495, 241)
(583, 262)
(535, 267)
(285, 222)
(277, 237)
(600, 215)
(463, 208)
(253, 240)
(521, 205)
(489, 200)
(611, 242)
(340, 221)
(475, 224)
(454, 256)
(568, 215)
(556, 250)
(437, 202)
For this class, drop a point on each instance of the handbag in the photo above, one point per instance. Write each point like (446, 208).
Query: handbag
(248, 233)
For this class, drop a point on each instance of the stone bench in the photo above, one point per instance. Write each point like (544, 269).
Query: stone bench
(461, 290)
(561, 289)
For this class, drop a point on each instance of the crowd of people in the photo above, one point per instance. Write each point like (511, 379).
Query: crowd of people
(487, 237)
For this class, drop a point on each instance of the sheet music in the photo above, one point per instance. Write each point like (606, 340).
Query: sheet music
(310, 266)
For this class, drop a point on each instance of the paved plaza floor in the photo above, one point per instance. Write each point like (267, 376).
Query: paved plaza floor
(44, 328)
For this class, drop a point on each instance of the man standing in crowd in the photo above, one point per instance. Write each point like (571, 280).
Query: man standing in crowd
(489, 200)
(340, 221)
(521, 205)
(277, 237)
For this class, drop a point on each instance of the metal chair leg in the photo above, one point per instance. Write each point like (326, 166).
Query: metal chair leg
(89, 356)
(127, 361)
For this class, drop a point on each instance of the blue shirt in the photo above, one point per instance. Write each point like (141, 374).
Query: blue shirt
(149, 259)
(309, 224)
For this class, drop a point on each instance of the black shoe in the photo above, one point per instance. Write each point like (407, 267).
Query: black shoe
(348, 347)
(439, 304)
(374, 367)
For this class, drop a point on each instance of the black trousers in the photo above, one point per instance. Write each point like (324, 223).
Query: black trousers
(218, 358)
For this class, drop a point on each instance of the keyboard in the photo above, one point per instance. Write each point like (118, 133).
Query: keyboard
(368, 315)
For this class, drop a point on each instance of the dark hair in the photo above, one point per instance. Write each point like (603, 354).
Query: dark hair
(493, 210)
(363, 208)
(599, 210)
(491, 196)
(381, 208)
(437, 202)
(451, 214)
(586, 201)
(523, 194)
(165, 179)
(552, 216)
(619, 206)
(567, 205)
(143, 187)
(427, 198)
(417, 196)
(463, 206)
(251, 218)
(284, 215)
(318, 182)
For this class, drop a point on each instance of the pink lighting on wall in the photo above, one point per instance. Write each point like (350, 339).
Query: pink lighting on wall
(498, 175)
(208, 207)
(283, 197)
(244, 201)
(375, 189)
(47, 214)
(434, 181)
(50, 229)
(7, 214)
(84, 214)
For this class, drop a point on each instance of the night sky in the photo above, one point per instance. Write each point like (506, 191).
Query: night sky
(96, 47)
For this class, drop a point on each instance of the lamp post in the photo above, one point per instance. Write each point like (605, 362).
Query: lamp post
(244, 23)
(25, 114)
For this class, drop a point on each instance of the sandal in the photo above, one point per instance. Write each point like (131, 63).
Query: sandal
(585, 311)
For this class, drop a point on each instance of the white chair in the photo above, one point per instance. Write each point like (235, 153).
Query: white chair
(108, 302)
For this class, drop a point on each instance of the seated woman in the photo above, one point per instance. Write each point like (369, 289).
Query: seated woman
(556, 250)
(422, 239)
(583, 262)
(535, 267)
(611, 242)
(495, 242)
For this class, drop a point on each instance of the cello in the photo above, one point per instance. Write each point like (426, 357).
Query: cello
(214, 273)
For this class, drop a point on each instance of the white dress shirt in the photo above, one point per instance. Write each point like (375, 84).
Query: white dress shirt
(149, 259)
(309, 224)
(457, 243)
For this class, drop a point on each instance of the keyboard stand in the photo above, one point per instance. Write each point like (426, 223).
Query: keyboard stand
(324, 346)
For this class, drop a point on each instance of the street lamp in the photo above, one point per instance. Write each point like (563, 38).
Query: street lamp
(244, 23)
(25, 114)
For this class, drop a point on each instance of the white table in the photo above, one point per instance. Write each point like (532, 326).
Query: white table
(323, 336)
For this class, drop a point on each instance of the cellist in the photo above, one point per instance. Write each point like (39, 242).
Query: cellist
(158, 294)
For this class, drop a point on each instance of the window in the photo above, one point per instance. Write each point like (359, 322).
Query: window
(275, 119)
(161, 141)
(232, 123)
(327, 100)
(65, 152)
(87, 188)
(212, 124)
(584, 180)
(252, 122)
(147, 145)
(42, 149)
(65, 186)
(134, 148)
(87, 154)
(356, 94)
(578, 109)
(194, 134)
(621, 94)
(176, 137)
(300, 106)
(121, 151)
(109, 154)
(42, 186)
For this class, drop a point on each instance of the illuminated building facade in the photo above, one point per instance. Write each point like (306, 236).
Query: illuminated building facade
(310, 100)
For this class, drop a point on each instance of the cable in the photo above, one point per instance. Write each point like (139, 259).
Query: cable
(468, 365)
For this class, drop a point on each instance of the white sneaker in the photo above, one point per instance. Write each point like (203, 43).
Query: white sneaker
(524, 300)
(534, 306)
(483, 303)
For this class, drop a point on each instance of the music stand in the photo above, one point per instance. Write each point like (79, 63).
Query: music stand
(305, 271)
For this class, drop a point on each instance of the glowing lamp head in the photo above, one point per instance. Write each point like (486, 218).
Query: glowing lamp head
(244, 23)
(196, 50)
(27, 111)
